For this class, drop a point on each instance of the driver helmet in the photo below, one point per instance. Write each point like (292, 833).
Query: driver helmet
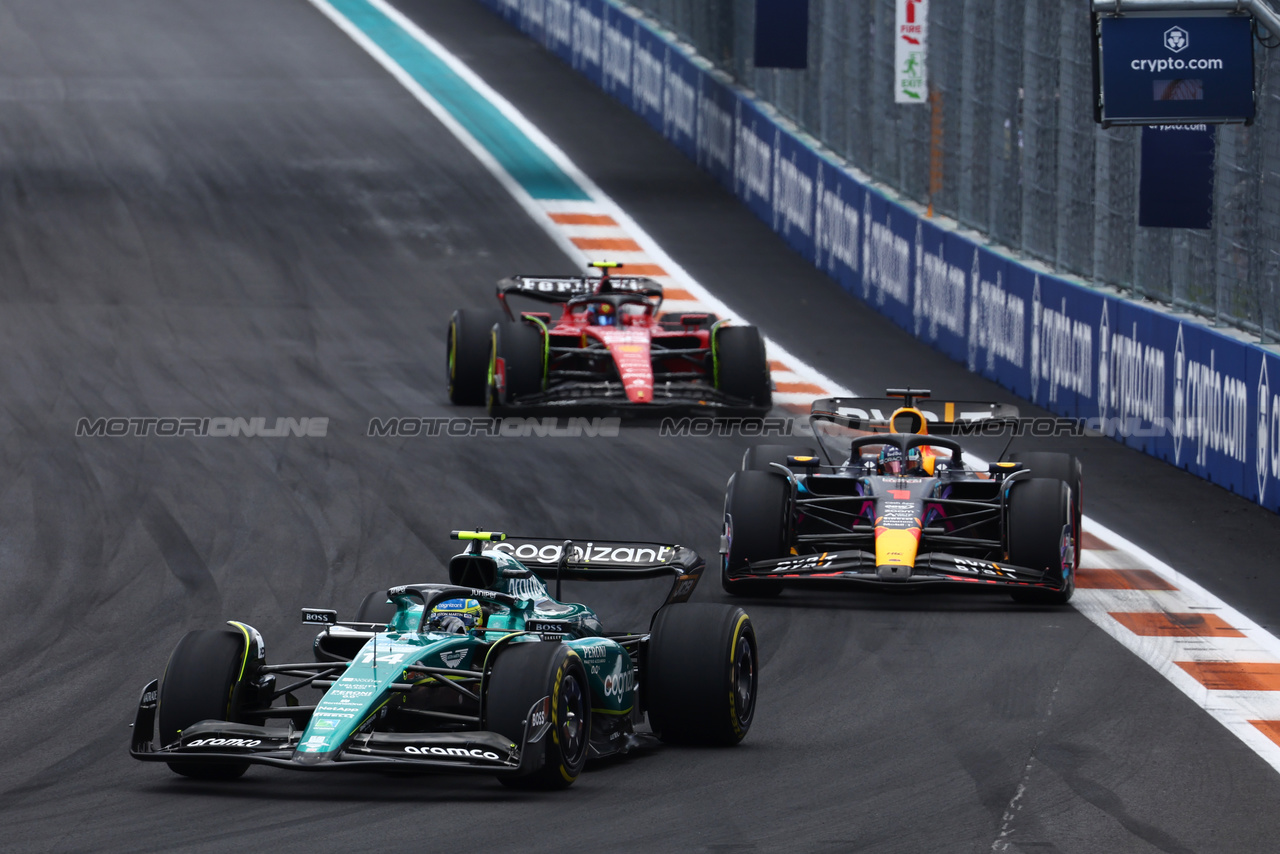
(602, 314)
(455, 616)
(892, 463)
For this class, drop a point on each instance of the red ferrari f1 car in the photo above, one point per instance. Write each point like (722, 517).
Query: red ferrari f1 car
(609, 348)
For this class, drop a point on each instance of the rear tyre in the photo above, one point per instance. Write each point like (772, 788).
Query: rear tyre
(741, 368)
(759, 457)
(525, 673)
(1064, 467)
(517, 363)
(1042, 535)
(755, 525)
(468, 355)
(199, 685)
(376, 608)
(701, 674)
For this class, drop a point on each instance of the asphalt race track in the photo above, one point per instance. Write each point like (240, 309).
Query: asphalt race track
(228, 209)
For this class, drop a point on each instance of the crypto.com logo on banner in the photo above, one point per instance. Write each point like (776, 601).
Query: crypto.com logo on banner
(911, 36)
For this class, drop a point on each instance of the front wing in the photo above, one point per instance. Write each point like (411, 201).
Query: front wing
(220, 742)
(858, 566)
(611, 396)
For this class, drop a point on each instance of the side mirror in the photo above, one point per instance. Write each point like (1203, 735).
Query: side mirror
(805, 462)
(319, 617)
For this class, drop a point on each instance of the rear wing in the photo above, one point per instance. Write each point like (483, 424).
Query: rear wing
(561, 289)
(873, 413)
(608, 560)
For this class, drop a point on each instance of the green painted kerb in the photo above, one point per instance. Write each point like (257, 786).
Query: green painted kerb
(522, 160)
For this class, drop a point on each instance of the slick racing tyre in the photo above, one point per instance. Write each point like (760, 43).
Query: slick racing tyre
(755, 525)
(760, 457)
(1064, 467)
(1042, 535)
(517, 363)
(741, 368)
(525, 673)
(199, 685)
(468, 355)
(701, 673)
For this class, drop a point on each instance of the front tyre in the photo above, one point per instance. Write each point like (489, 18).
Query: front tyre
(701, 674)
(524, 674)
(755, 526)
(468, 355)
(1064, 467)
(1042, 535)
(741, 367)
(517, 363)
(199, 684)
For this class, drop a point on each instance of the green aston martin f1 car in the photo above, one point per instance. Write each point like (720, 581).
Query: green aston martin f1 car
(488, 673)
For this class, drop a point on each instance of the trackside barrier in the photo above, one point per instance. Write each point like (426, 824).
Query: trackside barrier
(1187, 394)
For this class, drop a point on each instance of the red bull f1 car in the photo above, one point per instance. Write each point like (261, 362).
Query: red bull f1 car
(607, 346)
(489, 673)
(888, 500)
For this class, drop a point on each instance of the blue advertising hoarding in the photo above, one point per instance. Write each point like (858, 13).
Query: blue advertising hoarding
(717, 129)
(648, 75)
(680, 101)
(1176, 70)
(1160, 383)
(588, 39)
